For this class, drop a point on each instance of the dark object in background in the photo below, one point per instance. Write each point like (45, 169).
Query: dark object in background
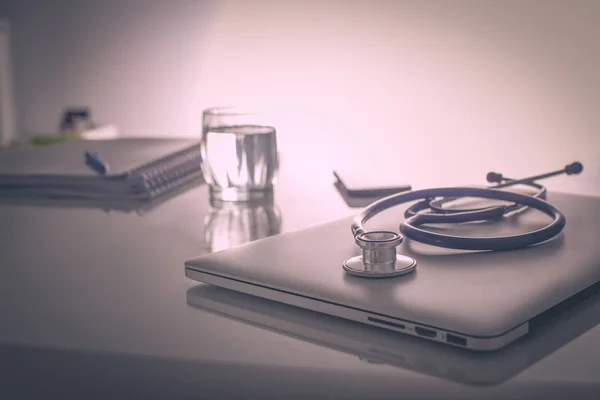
(359, 192)
(76, 120)
(357, 186)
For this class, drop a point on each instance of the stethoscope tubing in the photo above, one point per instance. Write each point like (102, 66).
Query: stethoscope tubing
(436, 205)
(410, 227)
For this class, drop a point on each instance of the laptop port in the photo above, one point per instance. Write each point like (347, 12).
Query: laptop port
(430, 333)
(388, 323)
(460, 341)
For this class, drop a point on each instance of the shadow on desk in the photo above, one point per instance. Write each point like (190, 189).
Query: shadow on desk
(125, 206)
(28, 372)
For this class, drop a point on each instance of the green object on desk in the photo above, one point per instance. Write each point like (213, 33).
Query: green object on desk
(47, 140)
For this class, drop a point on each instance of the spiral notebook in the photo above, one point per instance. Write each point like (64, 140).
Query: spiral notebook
(139, 169)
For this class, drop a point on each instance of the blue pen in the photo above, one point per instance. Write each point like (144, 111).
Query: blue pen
(94, 161)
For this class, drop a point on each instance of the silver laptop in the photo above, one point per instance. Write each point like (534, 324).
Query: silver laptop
(474, 300)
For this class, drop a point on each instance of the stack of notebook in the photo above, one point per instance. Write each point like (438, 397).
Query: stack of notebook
(134, 170)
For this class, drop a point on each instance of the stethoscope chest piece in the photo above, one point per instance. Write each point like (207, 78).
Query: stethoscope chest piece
(379, 258)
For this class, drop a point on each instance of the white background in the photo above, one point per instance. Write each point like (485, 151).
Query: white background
(440, 91)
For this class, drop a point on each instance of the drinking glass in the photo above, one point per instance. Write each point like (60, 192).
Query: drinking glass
(239, 154)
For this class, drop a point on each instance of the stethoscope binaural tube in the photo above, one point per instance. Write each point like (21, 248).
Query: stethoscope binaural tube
(436, 205)
(410, 227)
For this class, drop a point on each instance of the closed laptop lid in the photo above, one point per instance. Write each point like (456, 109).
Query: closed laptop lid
(482, 294)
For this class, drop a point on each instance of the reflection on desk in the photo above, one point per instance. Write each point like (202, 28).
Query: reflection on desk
(230, 224)
(140, 207)
(565, 323)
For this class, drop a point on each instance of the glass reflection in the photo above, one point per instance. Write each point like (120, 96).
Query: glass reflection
(230, 224)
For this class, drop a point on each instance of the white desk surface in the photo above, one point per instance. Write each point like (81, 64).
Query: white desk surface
(102, 296)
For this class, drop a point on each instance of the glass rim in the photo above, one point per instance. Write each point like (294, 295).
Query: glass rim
(225, 111)
(256, 129)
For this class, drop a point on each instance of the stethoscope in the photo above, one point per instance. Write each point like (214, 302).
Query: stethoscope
(379, 258)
